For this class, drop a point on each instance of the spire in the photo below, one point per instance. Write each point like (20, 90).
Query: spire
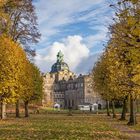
(60, 57)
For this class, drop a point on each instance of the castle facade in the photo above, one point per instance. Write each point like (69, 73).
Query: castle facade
(63, 87)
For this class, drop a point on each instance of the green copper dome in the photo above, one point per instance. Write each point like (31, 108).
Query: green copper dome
(60, 65)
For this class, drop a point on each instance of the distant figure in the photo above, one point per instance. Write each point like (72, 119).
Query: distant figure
(99, 106)
(90, 108)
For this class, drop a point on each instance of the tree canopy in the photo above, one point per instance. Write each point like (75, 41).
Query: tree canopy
(117, 71)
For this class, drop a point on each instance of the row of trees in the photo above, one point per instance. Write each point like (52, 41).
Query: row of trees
(20, 80)
(117, 72)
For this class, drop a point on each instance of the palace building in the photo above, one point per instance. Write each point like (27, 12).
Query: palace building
(63, 87)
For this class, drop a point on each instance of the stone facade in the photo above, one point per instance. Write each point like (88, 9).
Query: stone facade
(63, 87)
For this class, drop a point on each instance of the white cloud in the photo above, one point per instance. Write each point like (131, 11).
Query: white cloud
(53, 14)
(72, 47)
(87, 64)
(92, 40)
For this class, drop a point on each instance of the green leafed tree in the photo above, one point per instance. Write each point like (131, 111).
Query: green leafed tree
(32, 83)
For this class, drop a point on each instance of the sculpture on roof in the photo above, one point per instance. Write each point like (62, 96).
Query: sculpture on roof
(60, 57)
(60, 65)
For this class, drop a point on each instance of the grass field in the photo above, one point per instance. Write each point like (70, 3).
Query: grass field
(46, 126)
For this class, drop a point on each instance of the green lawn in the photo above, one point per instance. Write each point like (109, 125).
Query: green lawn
(46, 126)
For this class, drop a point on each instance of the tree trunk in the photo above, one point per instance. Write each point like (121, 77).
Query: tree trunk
(113, 109)
(107, 107)
(3, 110)
(128, 105)
(26, 109)
(124, 109)
(132, 119)
(137, 102)
(17, 109)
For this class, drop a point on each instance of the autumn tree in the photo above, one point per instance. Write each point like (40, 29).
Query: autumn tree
(126, 34)
(12, 59)
(101, 79)
(23, 27)
(32, 83)
(120, 62)
(4, 19)
(37, 84)
(19, 21)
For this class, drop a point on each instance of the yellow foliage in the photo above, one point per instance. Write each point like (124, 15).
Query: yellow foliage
(12, 60)
(117, 73)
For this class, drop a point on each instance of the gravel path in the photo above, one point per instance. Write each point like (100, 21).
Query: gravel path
(124, 129)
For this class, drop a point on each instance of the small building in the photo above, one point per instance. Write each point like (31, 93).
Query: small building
(57, 106)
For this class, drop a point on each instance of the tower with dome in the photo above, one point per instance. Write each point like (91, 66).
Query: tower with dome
(60, 65)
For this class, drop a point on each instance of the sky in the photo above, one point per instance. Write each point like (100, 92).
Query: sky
(79, 28)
